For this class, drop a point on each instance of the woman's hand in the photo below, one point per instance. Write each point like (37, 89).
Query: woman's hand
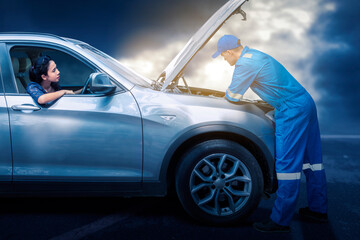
(78, 91)
(68, 92)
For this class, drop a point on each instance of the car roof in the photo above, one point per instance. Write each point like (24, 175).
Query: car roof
(29, 36)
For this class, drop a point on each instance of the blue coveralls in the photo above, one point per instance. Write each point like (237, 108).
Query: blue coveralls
(297, 134)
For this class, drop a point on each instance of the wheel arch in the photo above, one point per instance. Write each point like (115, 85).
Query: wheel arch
(241, 136)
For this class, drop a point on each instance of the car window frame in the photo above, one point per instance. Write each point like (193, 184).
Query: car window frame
(3, 68)
(1, 83)
(13, 90)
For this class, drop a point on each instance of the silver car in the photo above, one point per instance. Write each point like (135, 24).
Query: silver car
(127, 135)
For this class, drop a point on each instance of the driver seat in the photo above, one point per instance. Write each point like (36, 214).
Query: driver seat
(21, 68)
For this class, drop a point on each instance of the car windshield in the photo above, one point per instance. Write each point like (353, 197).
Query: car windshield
(116, 66)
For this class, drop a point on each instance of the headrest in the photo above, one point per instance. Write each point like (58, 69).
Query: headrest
(15, 64)
(25, 64)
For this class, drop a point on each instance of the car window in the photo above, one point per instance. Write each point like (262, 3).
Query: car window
(73, 72)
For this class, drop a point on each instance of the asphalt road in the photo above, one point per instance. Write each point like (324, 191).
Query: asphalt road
(164, 218)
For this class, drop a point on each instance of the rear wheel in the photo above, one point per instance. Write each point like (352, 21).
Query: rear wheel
(219, 181)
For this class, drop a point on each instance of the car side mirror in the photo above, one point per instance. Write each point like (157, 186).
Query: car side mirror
(100, 84)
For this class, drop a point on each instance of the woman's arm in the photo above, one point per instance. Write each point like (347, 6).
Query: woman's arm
(48, 97)
(78, 91)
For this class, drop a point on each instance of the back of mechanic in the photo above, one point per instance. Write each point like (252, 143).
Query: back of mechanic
(298, 144)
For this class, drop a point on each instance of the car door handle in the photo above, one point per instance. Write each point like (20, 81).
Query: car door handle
(26, 107)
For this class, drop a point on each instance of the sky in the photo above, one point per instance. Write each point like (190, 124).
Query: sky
(316, 40)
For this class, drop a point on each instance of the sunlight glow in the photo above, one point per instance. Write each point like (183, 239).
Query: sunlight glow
(278, 28)
(152, 62)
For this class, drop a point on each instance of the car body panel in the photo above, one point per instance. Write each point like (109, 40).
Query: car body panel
(167, 117)
(5, 146)
(102, 137)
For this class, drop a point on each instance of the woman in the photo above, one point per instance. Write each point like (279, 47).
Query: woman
(44, 87)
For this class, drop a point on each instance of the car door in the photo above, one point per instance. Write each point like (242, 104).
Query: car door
(5, 146)
(79, 138)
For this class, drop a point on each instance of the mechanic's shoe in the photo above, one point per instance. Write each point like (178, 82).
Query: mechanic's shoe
(270, 226)
(307, 214)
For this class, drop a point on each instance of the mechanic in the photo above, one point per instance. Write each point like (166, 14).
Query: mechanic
(44, 87)
(297, 134)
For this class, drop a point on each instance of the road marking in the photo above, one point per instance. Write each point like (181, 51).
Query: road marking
(340, 136)
(91, 228)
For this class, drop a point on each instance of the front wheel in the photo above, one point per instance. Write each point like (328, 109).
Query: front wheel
(219, 181)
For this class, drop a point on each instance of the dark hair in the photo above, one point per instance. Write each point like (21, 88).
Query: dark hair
(40, 67)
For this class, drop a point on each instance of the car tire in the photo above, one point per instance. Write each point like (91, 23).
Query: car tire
(219, 182)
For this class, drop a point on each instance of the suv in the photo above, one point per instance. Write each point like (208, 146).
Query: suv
(127, 135)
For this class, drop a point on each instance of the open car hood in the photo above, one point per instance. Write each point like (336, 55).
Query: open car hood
(200, 38)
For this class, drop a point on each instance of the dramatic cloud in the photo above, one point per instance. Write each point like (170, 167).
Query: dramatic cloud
(336, 66)
(317, 41)
(278, 28)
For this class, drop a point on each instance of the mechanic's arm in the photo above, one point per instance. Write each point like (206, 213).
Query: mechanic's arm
(233, 97)
(244, 75)
(48, 97)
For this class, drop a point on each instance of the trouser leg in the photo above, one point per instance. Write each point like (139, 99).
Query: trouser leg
(291, 136)
(314, 170)
(285, 203)
(316, 190)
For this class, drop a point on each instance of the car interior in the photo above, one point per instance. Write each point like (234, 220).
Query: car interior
(73, 72)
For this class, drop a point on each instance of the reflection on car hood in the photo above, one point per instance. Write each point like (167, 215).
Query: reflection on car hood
(199, 39)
